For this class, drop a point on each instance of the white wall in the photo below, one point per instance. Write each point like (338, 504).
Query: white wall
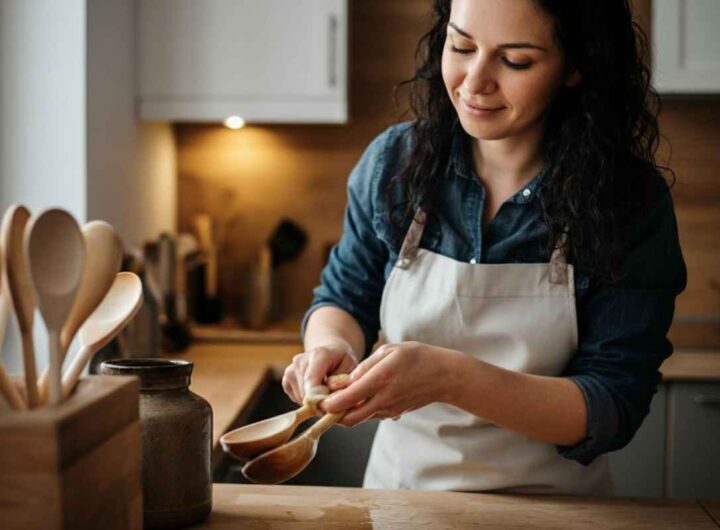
(131, 172)
(42, 104)
(68, 133)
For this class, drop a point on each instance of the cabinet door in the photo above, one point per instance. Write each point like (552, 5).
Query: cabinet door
(694, 440)
(269, 60)
(638, 468)
(686, 45)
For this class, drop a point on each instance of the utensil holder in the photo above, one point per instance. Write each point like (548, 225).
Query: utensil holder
(75, 465)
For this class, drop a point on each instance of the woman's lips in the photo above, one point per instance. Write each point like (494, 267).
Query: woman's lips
(479, 112)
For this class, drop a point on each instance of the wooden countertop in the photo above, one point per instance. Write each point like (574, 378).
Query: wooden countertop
(232, 376)
(250, 506)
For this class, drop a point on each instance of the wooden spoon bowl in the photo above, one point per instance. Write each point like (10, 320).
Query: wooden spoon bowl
(284, 462)
(251, 440)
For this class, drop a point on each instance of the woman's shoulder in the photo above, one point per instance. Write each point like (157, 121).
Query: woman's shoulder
(383, 158)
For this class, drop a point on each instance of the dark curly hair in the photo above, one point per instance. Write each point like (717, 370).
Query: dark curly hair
(600, 139)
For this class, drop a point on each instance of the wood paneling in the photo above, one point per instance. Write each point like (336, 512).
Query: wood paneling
(256, 176)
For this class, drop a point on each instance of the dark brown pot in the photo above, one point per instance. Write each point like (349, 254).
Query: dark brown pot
(177, 442)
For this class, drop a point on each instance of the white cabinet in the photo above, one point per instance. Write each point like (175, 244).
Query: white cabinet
(686, 45)
(263, 60)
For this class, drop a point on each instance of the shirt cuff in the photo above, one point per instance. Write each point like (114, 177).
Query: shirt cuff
(602, 422)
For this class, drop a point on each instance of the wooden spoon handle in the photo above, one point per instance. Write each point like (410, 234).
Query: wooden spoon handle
(28, 351)
(71, 377)
(323, 424)
(8, 390)
(43, 382)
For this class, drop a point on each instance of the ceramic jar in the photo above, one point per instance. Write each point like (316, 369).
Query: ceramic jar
(176, 442)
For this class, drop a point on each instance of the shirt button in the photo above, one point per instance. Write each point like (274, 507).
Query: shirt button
(473, 260)
(526, 192)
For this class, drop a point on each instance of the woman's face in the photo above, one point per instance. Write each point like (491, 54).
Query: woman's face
(501, 66)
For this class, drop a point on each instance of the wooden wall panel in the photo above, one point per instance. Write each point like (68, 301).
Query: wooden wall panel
(257, 175)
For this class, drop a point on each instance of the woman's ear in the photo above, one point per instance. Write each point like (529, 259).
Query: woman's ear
(573, 78)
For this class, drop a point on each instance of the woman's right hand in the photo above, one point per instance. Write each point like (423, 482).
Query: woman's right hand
(310, 368)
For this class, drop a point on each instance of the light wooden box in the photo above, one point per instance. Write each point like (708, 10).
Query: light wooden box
(77, 465)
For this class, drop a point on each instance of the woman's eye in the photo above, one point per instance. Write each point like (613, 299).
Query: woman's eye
(516, 66)
(460, 50)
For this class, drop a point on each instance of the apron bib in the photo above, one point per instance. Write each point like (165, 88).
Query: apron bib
(516, 316)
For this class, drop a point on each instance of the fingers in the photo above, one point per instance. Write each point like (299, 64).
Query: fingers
(319, 363)
(372, 382)
(364, 367)
(309, 369)
(365, 411)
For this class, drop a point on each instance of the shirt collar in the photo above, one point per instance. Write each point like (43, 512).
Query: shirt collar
(460, 166)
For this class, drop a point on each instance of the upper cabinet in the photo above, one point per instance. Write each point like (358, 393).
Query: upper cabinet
(282, 61)
(687, 46)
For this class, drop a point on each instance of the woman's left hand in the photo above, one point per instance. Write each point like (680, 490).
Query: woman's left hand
(396, 378)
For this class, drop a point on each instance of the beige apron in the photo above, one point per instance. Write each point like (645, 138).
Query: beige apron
(517, 316)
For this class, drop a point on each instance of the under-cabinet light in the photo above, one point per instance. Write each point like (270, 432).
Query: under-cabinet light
(234, 122)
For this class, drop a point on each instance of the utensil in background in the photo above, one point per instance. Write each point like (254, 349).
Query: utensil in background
(286, 242)
(55, 253)
(9, 392)
(175, 333)
(209, 310)
(187, 248)
(120, 305)
(142, 334)
(103, 258)
(258, 303)
(264, 300)
(20, 289)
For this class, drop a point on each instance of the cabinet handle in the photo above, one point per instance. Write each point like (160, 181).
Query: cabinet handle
(704, 399)
(332, 49)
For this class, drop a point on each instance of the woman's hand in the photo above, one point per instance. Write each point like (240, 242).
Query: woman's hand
(396, 378)
(310, 368)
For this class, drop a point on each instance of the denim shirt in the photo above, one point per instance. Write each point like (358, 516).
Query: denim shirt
(622, 327)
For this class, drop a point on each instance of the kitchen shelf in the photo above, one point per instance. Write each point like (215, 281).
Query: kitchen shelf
(281, 333)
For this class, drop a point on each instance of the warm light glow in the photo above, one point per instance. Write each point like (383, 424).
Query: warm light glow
(235, 122)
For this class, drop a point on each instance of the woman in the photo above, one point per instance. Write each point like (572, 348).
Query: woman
(518, 247)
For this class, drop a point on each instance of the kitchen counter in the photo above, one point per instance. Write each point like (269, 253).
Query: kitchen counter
(250, 506)
(232, 376)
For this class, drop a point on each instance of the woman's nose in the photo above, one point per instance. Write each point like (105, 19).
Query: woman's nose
(480, 78)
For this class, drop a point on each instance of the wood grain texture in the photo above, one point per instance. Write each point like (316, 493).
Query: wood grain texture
(341, 508)
(253, 177)
(76, 465)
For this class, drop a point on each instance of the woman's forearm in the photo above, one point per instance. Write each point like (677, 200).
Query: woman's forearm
(550, 409)
(331, 325)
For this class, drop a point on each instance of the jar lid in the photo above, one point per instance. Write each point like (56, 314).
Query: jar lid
(154, 374)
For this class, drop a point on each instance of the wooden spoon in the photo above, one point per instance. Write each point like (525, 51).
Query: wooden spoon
(20, 290)
(103, 259)
(284, 462)
(9, 392)
(251, 440)
(120, 305)
(55, 253)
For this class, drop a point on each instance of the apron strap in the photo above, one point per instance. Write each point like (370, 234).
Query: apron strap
(558, 263)
(411, 243)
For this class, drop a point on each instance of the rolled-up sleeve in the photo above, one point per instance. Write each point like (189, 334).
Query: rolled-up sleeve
(353, 279)
(623, 334)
